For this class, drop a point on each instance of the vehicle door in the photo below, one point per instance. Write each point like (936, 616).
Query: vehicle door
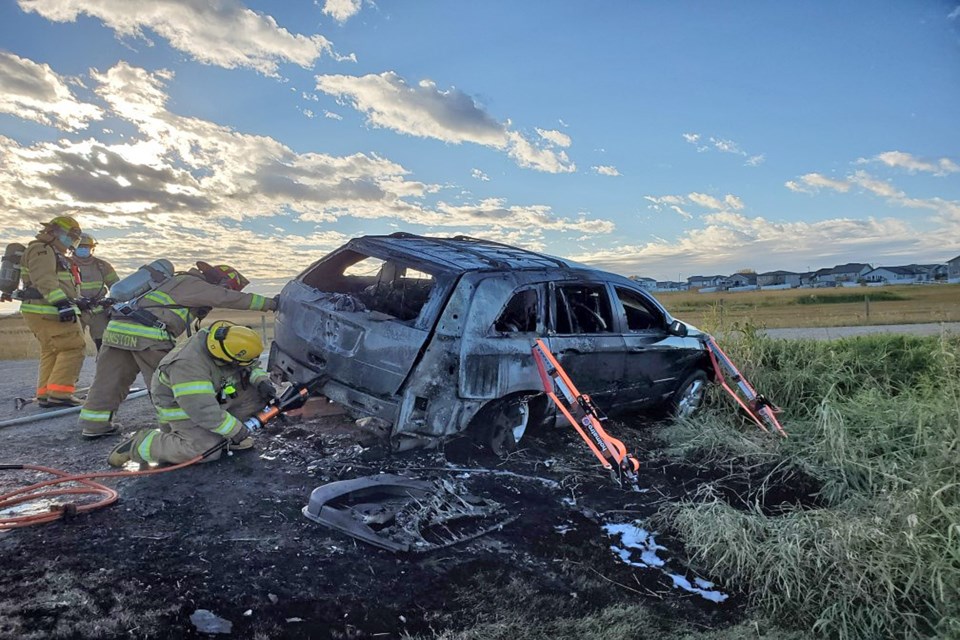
(653, 359)
(582, 335)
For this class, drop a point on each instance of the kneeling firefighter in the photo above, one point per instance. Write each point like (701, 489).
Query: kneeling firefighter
(203, 392)
(49, 310)
(141, 332)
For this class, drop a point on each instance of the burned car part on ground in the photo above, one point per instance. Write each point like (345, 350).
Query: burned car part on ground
(433, 335)
(403, 514)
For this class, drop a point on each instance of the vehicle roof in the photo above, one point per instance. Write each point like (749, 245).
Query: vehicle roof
(461, 253)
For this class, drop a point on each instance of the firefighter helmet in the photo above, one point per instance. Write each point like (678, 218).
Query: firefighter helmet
(87, 240)
(65, 229)
(223, 275)
(233, 343)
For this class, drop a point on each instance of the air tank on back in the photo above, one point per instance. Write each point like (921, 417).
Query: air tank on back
(10, 268)
(142, 280)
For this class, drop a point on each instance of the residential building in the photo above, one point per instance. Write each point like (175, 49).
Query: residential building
(953, 270)
(645, 283)
(907, 274)
(773, 278)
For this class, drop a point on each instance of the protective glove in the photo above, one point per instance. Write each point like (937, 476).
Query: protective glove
(276, 302)
(84, 304)
(106, 303)
(242, 433)
(65, 311)
(266, 390)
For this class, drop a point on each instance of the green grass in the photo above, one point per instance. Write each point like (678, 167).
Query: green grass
(876, 422)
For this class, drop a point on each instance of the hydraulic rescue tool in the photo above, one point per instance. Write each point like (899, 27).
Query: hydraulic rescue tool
(760, 410)
(585, 417)
(293, 398)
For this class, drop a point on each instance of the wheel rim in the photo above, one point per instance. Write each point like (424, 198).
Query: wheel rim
(691, 399)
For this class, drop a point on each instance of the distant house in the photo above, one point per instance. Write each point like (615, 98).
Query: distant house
(850, 272)
(907, 274)
(671, 285)
(742, 280)
(645, 283)
(700, 282)
(774, 278)
(953, 270)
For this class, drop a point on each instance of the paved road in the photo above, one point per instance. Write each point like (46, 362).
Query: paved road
(830, 333)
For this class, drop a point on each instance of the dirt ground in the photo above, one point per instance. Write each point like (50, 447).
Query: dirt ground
(229, 537)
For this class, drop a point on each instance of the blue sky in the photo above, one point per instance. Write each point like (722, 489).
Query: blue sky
(665, 139)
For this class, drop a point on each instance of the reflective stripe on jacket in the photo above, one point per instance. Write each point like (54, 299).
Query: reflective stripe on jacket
(96, 278)
(188, 382)
(175, 304)
(45, 270)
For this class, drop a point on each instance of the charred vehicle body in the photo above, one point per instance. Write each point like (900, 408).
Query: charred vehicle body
(434, 335)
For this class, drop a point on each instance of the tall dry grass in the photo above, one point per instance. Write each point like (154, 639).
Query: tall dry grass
(876, 421)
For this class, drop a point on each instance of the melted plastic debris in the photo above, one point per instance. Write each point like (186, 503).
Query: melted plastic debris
(636, 541)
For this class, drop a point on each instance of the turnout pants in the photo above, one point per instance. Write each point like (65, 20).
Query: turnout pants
(179, 441)
(61, 355)
(116, 371)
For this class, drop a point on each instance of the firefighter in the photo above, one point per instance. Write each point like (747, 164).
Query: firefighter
(138, 336)
(50, 312)
(203, 392)
(96, 278)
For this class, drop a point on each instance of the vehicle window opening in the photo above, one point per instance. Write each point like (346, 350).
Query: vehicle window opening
(387, 286)
(521, 314)
(641, 315)
(583, 309)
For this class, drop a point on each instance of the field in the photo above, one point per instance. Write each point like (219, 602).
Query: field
(839, 307)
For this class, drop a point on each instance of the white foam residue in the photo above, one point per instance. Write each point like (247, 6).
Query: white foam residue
(683, 583)
(635, 540)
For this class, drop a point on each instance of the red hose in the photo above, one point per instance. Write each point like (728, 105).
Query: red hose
(56, 512)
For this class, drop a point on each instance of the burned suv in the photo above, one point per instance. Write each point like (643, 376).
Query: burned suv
(434, 336)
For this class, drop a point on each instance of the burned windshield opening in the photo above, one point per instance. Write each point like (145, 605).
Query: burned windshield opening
(367, 283)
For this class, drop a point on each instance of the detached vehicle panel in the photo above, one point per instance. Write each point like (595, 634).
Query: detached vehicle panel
(434, 336)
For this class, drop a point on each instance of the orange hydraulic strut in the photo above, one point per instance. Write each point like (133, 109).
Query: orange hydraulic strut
(760, 410)
(579, 409)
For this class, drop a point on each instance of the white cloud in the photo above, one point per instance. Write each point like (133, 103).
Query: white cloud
(223, 33)
(677, 203)
(191, 183)
(34, 92)
(331, 115)
(812, 182)
(728, 241)
(606, 170)
(724, 145)
(480, 175)
(912, 164)
(555, 137)
(341, 10)
(953, 15)
(449, 115)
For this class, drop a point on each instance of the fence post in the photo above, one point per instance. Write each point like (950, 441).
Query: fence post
(263, 327)
(866, 305)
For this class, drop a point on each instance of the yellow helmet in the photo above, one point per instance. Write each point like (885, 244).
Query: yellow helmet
(233, 343)
(87, 240)
(66, 230)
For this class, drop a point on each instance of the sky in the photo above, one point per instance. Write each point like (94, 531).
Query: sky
(654, 138)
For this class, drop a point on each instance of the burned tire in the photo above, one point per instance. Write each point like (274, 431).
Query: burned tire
(501, 425)
(689, 396)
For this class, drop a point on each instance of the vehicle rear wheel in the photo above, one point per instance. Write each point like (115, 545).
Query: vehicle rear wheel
(501, 424)
(689, 396)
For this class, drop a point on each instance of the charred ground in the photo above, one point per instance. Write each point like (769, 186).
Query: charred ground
(229, 537)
